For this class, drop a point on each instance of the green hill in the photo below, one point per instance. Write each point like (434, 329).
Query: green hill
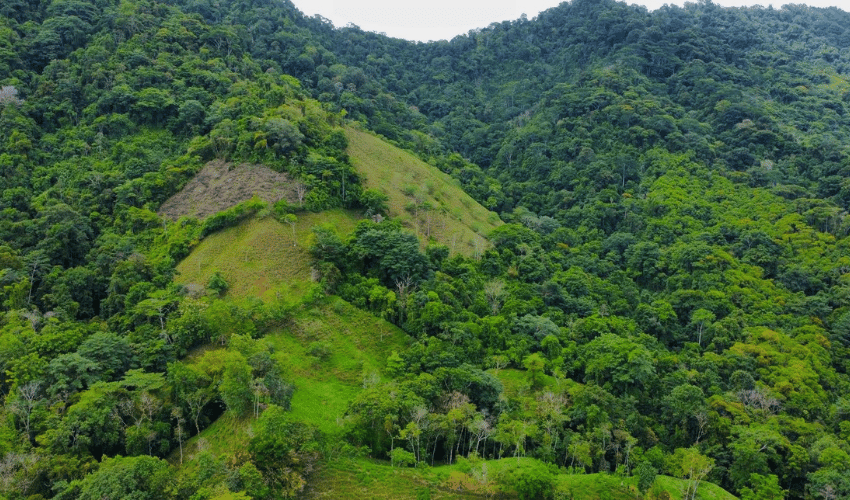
(328, 351)
(425, 199)
(259, 256)
(670, 290)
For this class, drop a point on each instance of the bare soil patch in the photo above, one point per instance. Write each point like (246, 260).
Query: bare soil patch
(221, 185)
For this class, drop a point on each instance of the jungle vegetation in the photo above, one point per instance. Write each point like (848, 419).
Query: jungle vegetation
(669, 294)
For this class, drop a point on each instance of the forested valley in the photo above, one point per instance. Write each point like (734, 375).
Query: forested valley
(600, 253)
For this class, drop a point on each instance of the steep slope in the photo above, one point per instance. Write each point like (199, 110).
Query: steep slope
(221, 185)
(328, 350)
(259, 256)
(674, 290)
(425, 199)
(360, 478)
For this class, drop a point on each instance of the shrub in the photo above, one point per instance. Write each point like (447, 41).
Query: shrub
(319, 350)
(217, 283)
(232, 216)
(402, 457)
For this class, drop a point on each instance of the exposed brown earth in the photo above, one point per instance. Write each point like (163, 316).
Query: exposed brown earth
(221, 185)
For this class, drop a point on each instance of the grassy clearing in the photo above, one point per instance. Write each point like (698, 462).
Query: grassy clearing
(352, 347)
(355, 348)
(453, 219)
(610, 487)
(259, 257)
(366, 478)
(358, 342)
(225, 435)
(706, 491)
(596, 486)
(516, 382)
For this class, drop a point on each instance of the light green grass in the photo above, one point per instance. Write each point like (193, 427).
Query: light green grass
(226, 434)
(366, 478)
(706, 491)
(611, 487)
(359, 341)
(359, 345)
(455, 219)
(596, 486)
(516, 382)
(259, 256)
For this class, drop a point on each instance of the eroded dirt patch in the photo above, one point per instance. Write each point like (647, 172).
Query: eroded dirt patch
(221, 185)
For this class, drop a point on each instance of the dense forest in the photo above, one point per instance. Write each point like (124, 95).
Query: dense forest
(664, 305)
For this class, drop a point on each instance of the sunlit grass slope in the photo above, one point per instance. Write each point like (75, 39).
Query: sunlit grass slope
(425, 199)
(365, 478)
(354, 347)
(259, 257)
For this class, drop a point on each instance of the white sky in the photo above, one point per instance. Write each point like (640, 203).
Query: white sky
(445, 19)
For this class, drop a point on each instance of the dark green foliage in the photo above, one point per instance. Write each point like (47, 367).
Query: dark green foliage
(482, 388)
(765, 488)
(131, 477)
(319, 350)
(235, 386)
(530, 480)
(391, 254)
(112, 354)
(71, 373)
(282, 451)
(645, 473)
(374, 201)
(217, 284)
(232, 216)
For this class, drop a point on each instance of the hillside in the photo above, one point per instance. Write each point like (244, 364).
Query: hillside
(259, 256)
(219, 186)
(613, 253)
(365, 478)
(424, 199)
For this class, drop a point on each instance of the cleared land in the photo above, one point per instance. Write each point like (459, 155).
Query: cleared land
(259, 257)
(425, 199)
(221, 185)
(355, 346)
(365, 478)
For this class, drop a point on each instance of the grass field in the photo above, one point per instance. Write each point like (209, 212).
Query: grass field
(706, 491)
(370, 479)
(354, 347)
(259, 257)
(425, 199)
(516, 382)
(366, 478)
